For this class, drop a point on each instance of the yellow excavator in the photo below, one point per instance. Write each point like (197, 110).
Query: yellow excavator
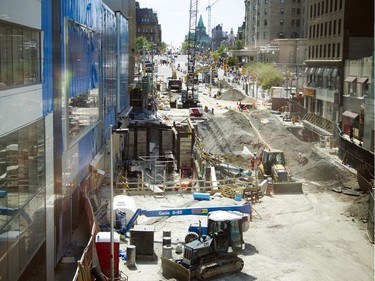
(272, 164)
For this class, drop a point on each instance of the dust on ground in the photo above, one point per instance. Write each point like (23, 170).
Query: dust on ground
(225, 137)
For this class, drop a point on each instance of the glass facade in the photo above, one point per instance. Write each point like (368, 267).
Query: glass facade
(19, 56)
(22, 200)
(83, 74)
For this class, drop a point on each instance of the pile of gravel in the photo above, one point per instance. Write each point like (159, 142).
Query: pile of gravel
(231, 94)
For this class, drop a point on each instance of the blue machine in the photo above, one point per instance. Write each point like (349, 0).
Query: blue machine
(203, 211)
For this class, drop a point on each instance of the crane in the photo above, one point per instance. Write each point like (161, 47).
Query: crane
(208, 9)
(189, 98)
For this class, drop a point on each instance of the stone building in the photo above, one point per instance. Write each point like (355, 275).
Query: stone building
(267, 20)
(148, 25)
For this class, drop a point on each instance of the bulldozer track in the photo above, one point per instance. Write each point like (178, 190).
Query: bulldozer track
(230, 264)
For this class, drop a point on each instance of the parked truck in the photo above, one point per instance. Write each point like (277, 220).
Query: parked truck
(175, 85)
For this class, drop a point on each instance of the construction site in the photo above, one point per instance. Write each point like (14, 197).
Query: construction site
(214, 184)
(303, 215)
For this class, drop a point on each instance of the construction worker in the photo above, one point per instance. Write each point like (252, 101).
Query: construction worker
(252, 161)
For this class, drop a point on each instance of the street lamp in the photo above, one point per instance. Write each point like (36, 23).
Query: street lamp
(111, 132)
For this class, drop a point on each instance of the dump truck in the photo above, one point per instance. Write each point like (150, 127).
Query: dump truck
(273, 165)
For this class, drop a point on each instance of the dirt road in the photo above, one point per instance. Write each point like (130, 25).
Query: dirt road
(317, 235)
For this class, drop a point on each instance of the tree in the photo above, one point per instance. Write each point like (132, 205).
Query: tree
(163, 47)
(232, 61)
(142, 45)
(267, 75)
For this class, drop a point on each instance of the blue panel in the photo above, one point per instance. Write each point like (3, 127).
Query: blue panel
(47, 90)
(246, 209)
(85, 154)
(109, 68)
(86, 12)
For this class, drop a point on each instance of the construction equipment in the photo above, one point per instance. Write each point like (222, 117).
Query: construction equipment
(212, 254)
(174, 84)
(208, 8)
(126, 217)
(189, 98)
(272, 164)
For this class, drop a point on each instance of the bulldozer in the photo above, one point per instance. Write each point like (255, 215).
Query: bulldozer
(272, 165)
(212, 254)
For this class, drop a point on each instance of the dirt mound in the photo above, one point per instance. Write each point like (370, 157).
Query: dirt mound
(227, 135)
(231, 94)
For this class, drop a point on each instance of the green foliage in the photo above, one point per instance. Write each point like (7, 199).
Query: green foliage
(267, 75)
(238, 45)
(232, 61)
(142, 44)
(185, 46)
(163, 47)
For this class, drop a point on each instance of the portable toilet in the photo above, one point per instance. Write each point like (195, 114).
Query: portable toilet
(103, 249)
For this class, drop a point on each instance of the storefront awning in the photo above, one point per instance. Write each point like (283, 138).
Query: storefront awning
(334, 72)
(350, 79)
(350, 114)
(311, 70)
(362, 80)
(319, 71)
(327, 72)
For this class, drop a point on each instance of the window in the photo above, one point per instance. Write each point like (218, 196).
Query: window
(330, 28)
(22, 167)
(339, 27)
(265, 11)
(298, 23)
(292, 23)
(338, 50)
(293, 11)
(325, 28)
(334, 27)
(264, 35)
(282, 11)
(82, 56)
(19, 56)
(298, 11)
(281, 22)
(314, 10)
(265, 22)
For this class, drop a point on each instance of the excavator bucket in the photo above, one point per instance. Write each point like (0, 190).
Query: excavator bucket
(287, 188)
(172, 269)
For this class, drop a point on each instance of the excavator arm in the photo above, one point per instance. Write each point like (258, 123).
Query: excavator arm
(245, 209)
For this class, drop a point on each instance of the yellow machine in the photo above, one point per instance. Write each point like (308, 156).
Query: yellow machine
(273, 165)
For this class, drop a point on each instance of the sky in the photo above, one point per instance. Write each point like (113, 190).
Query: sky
(173, 16)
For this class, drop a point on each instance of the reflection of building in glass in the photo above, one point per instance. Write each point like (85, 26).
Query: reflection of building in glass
(22, 200)
(58, 98)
